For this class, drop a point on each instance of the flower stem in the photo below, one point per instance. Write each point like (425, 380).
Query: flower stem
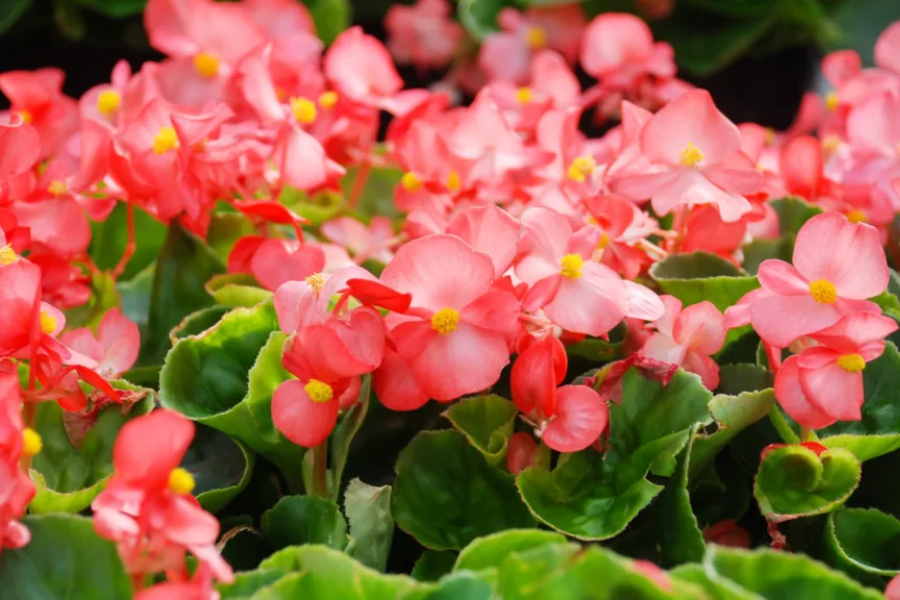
(131, 246)
(320, 470)
(781, 426)
(359, 184)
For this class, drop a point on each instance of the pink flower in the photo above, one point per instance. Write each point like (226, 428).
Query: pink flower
(372, 242)
(520, 453)
(22, 147)
(37, 98)
(727, 533)
(695, 157)
(452, 341)
(147, 507)
(837, 266)
(824, 383)
(277, 261)
(423, 34)
(115, 348)
(568, 418)
(360, 68)
(16, 488)
(618, 49)
(688, 338)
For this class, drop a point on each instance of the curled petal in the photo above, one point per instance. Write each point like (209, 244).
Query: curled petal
(581, 416)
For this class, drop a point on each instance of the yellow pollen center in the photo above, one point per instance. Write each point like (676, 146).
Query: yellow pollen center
(852, 363)
(7, 255)
(823, 291)
(206, 64)
(453, 181)
(831, 143)
(831, 101)
(857, 216)
(58, 188)
(410, 182)
(319, 391)
(570, 266)
(181, 482)
(690, 156)
(108, 102)
(581, 167)
(604, 242)
(770, 136)
(327, 100)
(48, 323)
(304, 110)
(316, 281)
(524, 95)
(31, 442)
(445, 321)
(536, 37)
(26, 116)
(165, 140)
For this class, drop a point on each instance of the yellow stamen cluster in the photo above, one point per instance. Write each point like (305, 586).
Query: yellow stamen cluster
(524, 95)
(26, 116)
(327, 100)
(823, 291)
(831, 143)
(852, 363)
(165, 140)
(831, 101)
(453, 181)
(48, 323)
(7, 255)
(31, 442)
(536, 37)
(108, 102)
(316, 281)
(604, 242)
(581, 168)
(445, 321)
(570, 266)
(691, 156)
(304, 110)
(58, 188)
(181, 481)
(857, 216)
(206, 64)
(411, 182)
(318, 391)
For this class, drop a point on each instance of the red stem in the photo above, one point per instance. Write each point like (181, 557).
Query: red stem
(359, 184)
(130, 247)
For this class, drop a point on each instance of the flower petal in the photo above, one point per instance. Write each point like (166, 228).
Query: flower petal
(301, 420)
(793, 400)
(581, 416)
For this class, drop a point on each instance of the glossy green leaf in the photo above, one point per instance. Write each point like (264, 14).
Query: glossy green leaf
(446, 494)
(594, 498)
(69, 478)
(210, 378)
(248, 583)
(198, 322)
(743, 377)
(298, 520)
(266, 374)
(793, 213)
(135, 295)
(782, 575)
(793, 482)
(109, 238)
(345, 431)
(761, 249)
(479, 17)
(65, 560)
(715, 587)
(866, 540)
(221, 467)
(331, 17)
(433, 564)
(317, 208)
(490, 551)
(237, 289)
(10, 11)
(699, 276)
(184, 266)
(678, 532)
(368, 510)
(487, 422)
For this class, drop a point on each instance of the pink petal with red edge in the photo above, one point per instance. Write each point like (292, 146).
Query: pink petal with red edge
(395, 385)
(466, 361)
(704, 366)
(592, 304)
(702, 327)
(275, 263)
(782, 319)
(581, 416)
(301, 420)
(497, 311)
(793, 400)
(149, 447)
(834, 391)
(848, 255)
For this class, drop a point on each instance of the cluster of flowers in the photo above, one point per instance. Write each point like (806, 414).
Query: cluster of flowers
(521, 235)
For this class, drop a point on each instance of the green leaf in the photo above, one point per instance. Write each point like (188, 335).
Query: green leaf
(237, 289)
(699, 276)
(732, 415)
(104, 296)
(368, 510)
(479, 17)
(866, 540)
(10, 11)
(212, 377)
(298, 520)
(878, 432)
(135, 295)
(793, 213)
(69, 478)
(781, 575)
(248, 583)
(184, 266)
(117, 9)
(221, 467)
(594, 498)
(266, 374)
(110, 237)
(377, 197)
(446, 494)
(433, 564)
(65, 560)
(762, 249)
(490, 551)
(487, 422)
(331, 17)
(743, 377)
(679, 535)
(345, 431)
(715, 587)
(793, 482)
(198, 322)
(225, 229)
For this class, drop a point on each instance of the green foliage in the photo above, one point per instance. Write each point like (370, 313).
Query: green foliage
(487, 422)
(368, 510)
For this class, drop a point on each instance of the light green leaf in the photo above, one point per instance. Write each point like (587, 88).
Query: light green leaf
(368, 510)
(487, 422)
